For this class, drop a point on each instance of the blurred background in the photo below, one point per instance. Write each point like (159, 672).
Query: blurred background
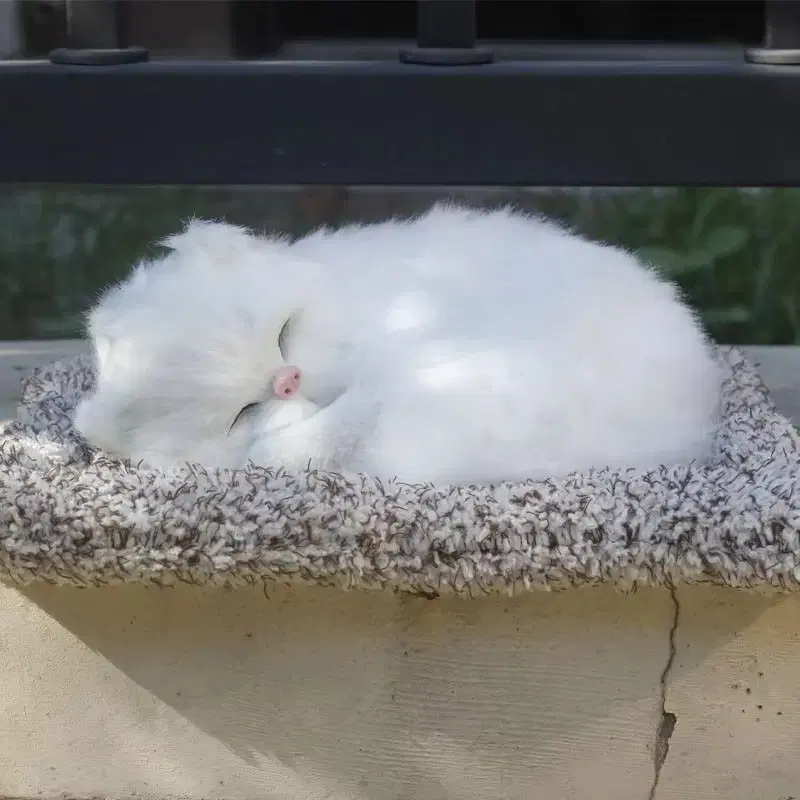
(734, 252)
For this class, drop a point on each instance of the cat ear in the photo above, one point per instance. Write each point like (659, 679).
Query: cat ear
(211, 242)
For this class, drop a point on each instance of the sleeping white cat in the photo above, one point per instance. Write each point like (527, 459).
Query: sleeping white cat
(458, 346)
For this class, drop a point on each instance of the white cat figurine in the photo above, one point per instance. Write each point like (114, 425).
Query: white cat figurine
(459, 346)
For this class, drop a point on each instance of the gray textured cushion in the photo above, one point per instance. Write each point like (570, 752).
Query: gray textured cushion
(69, 514)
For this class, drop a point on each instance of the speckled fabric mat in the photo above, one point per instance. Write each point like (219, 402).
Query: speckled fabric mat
(71, 515)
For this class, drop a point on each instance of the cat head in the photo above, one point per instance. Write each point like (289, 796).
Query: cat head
(189, 339)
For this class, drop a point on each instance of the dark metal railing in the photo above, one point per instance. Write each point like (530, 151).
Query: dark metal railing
(447, 107)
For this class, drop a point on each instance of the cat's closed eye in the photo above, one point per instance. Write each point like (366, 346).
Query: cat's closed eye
(243, 413)
(282, 343)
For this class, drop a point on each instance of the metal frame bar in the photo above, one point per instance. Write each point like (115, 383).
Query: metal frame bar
(438, 113)
(708, 118)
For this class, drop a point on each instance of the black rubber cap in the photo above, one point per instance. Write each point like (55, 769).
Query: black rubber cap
(89, 57)
(447, 56)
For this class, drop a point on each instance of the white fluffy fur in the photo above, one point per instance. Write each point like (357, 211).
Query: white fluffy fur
(459, 346)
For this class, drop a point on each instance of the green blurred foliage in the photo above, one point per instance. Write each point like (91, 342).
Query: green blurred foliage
(731, 251)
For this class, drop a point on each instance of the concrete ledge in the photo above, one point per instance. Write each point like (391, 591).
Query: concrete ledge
(312, 693)
(19, 359)
(315, 693)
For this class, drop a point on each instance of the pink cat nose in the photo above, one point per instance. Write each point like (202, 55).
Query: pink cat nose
(287, 382)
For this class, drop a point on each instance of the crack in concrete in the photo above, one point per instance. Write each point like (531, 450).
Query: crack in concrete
(667, 720)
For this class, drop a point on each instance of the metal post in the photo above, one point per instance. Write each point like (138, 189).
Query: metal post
(446, 35)
(781, 34)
